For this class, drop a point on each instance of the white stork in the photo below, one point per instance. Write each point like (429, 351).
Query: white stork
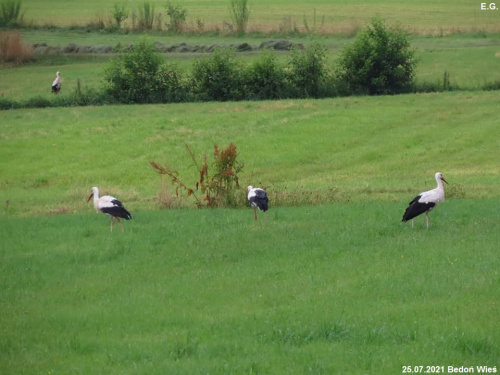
(56, 85)
(258, 199)
(425, 202)
(110, 206)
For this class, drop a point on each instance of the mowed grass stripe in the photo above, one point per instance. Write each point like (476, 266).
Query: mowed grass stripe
(311, 151)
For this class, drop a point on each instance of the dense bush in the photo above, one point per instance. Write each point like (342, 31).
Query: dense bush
(307, 71)
(8, 104)
(119, 14)
(10, 13)
(142, 76)
(177, 15)
(218, 77)
(379, 62)
(265, 78)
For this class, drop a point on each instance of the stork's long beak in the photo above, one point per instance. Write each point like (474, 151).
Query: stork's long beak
(91, 195)
(442, 178)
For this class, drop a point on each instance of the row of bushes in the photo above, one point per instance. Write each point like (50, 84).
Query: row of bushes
(379, 62)
(143, 76)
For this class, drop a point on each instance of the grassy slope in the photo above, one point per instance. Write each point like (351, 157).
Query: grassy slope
(356, 148)
(322, 289)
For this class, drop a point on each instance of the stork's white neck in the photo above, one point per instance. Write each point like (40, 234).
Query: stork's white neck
(439, 182)
(95, 192)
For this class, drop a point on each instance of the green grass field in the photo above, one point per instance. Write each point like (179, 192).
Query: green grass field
(336, 284)
(342, 288)
(330, 282)
(362, 148)
(426, 16)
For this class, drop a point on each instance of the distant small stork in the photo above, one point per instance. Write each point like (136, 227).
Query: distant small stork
(110, 206)
(425, 202)
(56, 85)
(258, 199)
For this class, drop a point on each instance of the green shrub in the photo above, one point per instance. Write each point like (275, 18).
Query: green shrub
(82, 97)
(37, 102)
(495, 85)
(10, 12)
(307, 71)
(218, 77)
(8, 104)
(177, 16)
(142, 76)
(119, 14)
(379, 62)
(265, 78)
(240, 13)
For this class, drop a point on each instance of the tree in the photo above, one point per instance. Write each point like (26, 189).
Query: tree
(142, 76)
(177, 15)
(379, 62)
(119, 14)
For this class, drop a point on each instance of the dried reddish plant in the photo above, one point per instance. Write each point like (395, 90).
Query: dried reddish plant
(218, 188)
(12, 48)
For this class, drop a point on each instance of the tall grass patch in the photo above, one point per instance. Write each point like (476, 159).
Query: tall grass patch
(13, 49)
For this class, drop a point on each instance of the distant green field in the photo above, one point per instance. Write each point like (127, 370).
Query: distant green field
(339, 16)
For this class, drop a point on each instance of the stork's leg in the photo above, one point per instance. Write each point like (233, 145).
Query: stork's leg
(119, 222)
(427, 219)
(255, 212)
(111, 224)
(412, 223)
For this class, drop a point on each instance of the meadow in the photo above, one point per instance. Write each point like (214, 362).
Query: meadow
(52, 157)
(335, 289)
(326, 16)
(330, 282)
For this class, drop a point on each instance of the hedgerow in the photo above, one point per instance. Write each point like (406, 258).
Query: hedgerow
(379, 62)
(142, 76)
(218, 78)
